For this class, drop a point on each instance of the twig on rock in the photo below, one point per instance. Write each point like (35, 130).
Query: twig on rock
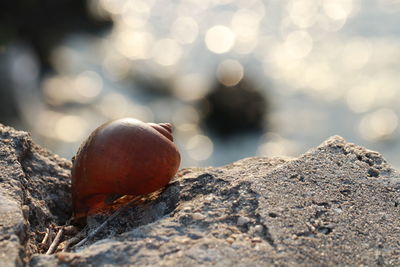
(55, 242)
(73, 240)
(95, 231)
(70, 242)
(46, 237)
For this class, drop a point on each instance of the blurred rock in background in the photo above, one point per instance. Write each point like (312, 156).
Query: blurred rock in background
(236, 109)
(42, 25)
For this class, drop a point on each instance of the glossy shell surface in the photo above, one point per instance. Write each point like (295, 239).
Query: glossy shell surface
(123, 157)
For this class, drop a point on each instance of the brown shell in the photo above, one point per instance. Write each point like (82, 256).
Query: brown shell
(124, 157)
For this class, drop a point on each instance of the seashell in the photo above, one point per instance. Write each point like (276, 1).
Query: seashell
(122, 157)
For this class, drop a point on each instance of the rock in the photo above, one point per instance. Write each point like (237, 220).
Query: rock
(34, 192)
(337, 204)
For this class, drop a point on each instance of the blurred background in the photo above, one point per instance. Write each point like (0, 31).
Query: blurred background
(236, 78)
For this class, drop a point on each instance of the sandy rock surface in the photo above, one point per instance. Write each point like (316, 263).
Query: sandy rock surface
(337, 204)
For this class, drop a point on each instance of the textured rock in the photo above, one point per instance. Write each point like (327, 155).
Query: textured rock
(34, 192)
(336, 204)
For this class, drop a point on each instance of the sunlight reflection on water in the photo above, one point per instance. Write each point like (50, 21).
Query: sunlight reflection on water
(327, 69)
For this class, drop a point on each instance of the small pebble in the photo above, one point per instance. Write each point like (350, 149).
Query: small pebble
(236, 246)
(258, 228)
(198, 216)
(242, 220)
(183, 240)
(230, 240)
(187, 208)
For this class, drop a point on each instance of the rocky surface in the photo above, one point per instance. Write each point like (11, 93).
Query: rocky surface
(337, 204)
(34, 193)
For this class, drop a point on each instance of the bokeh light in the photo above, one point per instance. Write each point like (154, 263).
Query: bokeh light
(356, 54)
(338, 9)
(303, 13)
(191, 87)
(298, 44)
(70, 128)
(83, 88)
(380, 124)
(327, 67)
(275, 145)
(185, 30)
(219, 39)
(134, 45)
(199, 147)
(166, 52)
(230, 72)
